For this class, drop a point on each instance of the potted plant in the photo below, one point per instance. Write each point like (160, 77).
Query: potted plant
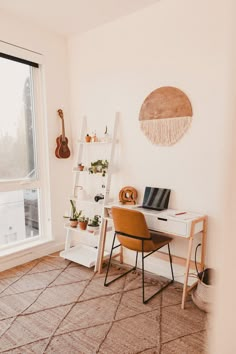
(94, 223)
(88, 138)
(83, 222)
(81, 167)
(74, 214)
(99, 166)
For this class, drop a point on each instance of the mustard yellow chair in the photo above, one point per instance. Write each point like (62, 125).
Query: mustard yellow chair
(132, 232)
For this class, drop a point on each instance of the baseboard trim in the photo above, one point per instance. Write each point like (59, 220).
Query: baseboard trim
(30, 254)
(159, 264)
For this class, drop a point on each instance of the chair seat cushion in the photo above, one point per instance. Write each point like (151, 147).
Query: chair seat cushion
(156, 241)
(160, 240)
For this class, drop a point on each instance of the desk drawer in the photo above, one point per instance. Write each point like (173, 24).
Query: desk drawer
(169, 226)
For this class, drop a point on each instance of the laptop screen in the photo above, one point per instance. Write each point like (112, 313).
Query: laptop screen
(156, 198)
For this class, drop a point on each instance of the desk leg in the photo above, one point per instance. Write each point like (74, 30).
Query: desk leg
(187, 272)
(101, 246)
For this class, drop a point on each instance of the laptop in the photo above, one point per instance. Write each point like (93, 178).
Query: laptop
(156, 198)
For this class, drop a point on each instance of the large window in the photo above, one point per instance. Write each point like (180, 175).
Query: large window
(21, 183)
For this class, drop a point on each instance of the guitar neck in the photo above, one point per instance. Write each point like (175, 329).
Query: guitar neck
(63, 130)
(60, 113)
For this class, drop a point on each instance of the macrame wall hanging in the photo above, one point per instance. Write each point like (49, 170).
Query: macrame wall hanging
(165, 115)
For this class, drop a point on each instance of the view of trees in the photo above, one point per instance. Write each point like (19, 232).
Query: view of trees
(17, 149)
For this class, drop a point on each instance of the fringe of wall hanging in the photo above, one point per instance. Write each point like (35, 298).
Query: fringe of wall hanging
(165, 131)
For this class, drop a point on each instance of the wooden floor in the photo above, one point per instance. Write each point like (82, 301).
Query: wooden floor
(52, 305)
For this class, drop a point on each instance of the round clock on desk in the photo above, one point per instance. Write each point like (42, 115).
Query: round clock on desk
(128, 195)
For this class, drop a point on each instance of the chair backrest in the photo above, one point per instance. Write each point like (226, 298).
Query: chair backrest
(133, 223)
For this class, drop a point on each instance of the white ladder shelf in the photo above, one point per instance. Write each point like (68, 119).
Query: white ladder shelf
(86, 253)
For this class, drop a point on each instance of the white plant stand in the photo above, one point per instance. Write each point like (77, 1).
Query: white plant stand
(87, 250)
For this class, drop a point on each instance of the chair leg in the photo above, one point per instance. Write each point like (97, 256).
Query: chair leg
(136, 260)
(143, 274)
(109, 263)
(164, 286)
(171, 266)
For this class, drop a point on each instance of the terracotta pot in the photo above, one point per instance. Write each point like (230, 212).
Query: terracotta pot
(88, 138)
(83, 225)
(73, 223)
(81, 167)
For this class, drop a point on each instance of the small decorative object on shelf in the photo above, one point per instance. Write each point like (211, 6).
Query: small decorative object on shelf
(74, 215)
(128, 195)
(81, 167)
(79, 192)
(88, 138)
(93, 224)
(83, 222)
(98, 197)
(106, 137)
(94, 138)
(99, 166)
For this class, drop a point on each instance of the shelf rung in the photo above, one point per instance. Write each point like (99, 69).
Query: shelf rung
(82, 254)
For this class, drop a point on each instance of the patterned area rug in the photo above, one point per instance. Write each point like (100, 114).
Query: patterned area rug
(52, 305)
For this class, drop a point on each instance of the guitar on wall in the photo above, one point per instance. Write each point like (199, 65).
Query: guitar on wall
(62, 150)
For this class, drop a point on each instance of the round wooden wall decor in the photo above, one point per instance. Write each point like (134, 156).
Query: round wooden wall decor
(165, 115)
(128, 195)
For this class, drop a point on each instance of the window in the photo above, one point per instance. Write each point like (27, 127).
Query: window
(22, 196)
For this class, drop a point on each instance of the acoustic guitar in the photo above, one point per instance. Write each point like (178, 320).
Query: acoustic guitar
(62, 150)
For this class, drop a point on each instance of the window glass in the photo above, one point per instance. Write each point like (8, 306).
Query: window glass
(19, 219)
(22, 217)
(17, 126)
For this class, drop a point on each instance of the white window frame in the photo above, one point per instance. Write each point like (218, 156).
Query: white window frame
(41, 181)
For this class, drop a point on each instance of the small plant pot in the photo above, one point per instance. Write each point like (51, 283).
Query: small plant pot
(81, 167)
(73, 223)
(88, 138)
(83, 225)
(92, 229)
(99, 169)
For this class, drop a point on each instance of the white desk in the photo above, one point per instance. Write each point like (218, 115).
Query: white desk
(167, 222)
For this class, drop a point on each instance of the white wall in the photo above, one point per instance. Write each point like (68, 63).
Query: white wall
(54, 50)
(223, 339)
(172, 43)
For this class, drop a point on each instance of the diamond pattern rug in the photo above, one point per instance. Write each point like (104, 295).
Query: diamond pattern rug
(52, 305)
